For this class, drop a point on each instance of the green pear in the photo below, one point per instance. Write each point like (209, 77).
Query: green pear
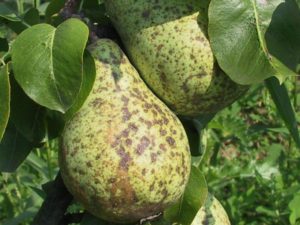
(167, 42)
(124, 155)
(211, 213)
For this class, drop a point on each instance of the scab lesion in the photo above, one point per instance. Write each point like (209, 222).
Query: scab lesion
(170, 141)
(89, 164)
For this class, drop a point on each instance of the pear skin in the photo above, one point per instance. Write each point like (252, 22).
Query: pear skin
(211, 213)
(167, 42)
(124, 155)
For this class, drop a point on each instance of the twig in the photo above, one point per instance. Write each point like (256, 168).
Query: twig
(96, 31)
(69, 9)
(55, 205)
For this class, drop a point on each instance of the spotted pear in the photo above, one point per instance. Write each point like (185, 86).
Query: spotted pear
(211, 213)
(167, 42)
(124, 155)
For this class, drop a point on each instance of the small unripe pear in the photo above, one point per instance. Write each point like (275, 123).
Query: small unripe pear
(124, 155)
(211, 213)
(167, 42)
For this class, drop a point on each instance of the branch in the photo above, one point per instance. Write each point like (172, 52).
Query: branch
(69, 9)
(55, 205)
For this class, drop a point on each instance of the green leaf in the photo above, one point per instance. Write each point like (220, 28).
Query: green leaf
(51, 72)
(237, 31)
(270, 167)
(22, 217)
(7, 13)
(194, 129)
(283, 35)
(55, 123)
(29, 18)
(28, 117)
(295, 209)
(185, 210)
(89, 74)
(193, 135)
(54, 7)
(282, 101)
(269, 212)
(42, 8)
(3, 45)
(32, 16)
(14, 148)
(4, 99)
(95, 11)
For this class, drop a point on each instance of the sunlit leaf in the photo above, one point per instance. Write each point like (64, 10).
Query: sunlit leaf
(185, 210)
(51, 72)
(89, 74)
(4, 99)
(295, 209)
(282, 101)
(7, 13)
(252, 38)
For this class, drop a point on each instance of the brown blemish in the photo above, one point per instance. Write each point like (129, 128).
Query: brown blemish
(128, 142)
(112, 180)
(163, 132)
(158, 109)
(89, 164)
(73, 153)
(125, 99)
(123, 60)
(162, 147)
(96, 103)
(151, 188)
(133, 127)
(160, 183)
(153, 157)
(170, 141)
(164, 192)
(144, 143)
(81, 172)
(147, 122)
(126, 114)
(128, 195)
(125, 158)
(124, 133)
(154, 112)
(147, 106)
(159, 47)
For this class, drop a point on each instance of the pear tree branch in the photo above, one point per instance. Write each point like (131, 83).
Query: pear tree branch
(52, 211)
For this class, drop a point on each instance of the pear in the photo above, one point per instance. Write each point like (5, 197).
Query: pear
(211, 213)
(167, 42)
(124, 155)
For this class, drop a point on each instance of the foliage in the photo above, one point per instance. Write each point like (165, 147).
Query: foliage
(249, 156)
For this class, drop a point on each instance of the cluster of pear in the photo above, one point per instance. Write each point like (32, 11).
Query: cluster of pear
(125, 155)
